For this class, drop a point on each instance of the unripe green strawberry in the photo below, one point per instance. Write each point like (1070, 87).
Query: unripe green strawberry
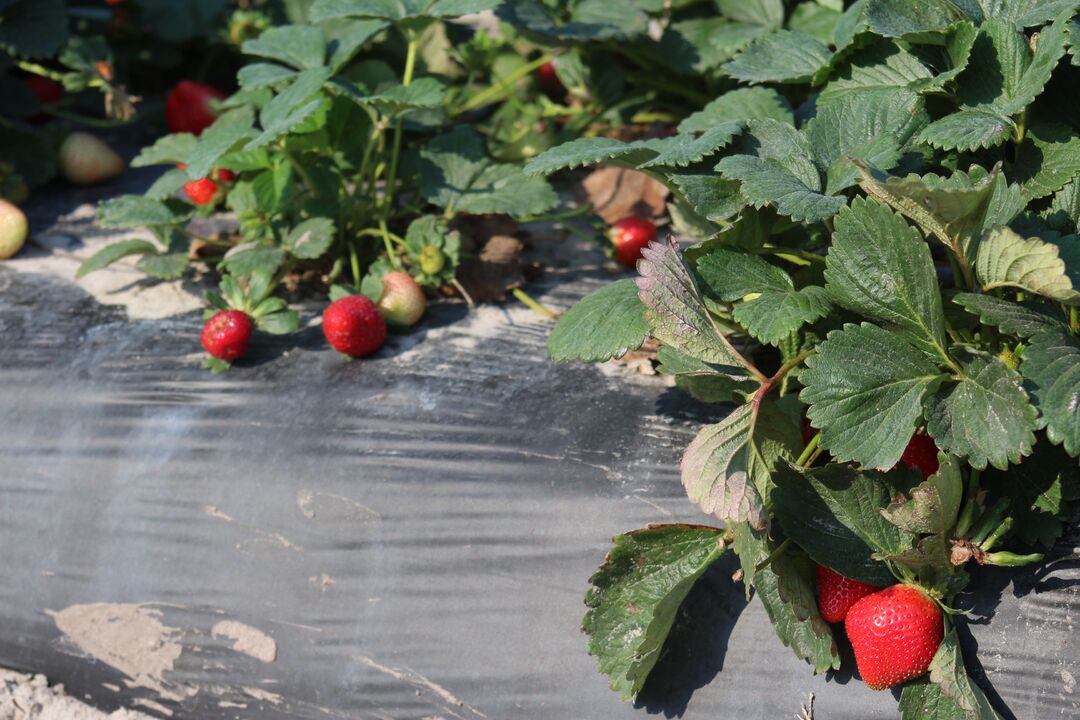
(1008, 357)
(13, 229)
(895, 634)
(432, 260)
(87, 160)
(402, 302)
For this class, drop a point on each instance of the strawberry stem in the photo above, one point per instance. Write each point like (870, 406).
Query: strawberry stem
(811, 450)
(780, 550)
(524, 297)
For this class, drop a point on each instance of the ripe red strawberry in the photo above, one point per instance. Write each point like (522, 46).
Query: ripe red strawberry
(201, 192)
(895, 634)
(86, 160)
(45, 90)
(226, 334)
(188, 107)
(921, 454)
(630, 236)
(354, 326)
(836, 593)
(225, 176)
(402, 302)
(549, 81)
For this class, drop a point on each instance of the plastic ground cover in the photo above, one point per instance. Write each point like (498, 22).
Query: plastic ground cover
(403, 537)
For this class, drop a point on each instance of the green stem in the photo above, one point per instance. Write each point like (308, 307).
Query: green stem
(1008, 559)
(991, 540)
(354, 261)
(990, 520)
(967, 514)
(524, 297)
(809, 450)
(300, 170)
(390, 254)
(399, 128)
(777, 552)
(502, 87)
(799, 257)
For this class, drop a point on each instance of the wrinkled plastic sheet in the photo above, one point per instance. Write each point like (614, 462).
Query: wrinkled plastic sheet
(407, 536)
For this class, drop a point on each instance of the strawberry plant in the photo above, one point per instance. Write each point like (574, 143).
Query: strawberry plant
(336, 164)
(879, 216)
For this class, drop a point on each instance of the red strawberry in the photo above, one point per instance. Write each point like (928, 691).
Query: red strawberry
(836, 593)
(630, 235)
(201, 192)
(402, 303)
(86, 160)
(225, 176)
(188, 107)
(895, 634)
(808, 431)
(226, 334)
(47, 91)
(549, 81)
(353, 326)
(921, 454)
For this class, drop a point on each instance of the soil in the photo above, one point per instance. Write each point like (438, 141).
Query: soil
(30, 697)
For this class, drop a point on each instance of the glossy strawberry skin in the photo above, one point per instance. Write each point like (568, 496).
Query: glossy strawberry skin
(226, 334)
(836, 594)
(895, 634)
(921, 454)
(201, 192)
(354, 326)
(630, 236)
(188, 107)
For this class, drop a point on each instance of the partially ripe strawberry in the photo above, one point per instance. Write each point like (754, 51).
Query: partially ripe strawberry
(354, 326)
(895, 634)
(188, 107)
(201, 192)
(402, 302)
(631, 235)
(550, 82)
(921, 454)
(836, 593)
(13, 229)
(226, 334)
(87, 160)
(45, 90)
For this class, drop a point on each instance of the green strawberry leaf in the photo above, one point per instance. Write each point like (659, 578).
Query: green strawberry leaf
(33, 28)
(753, 103)
(1013, 318)
(590, 151)
(299, 46)
(773, 316)
(968, 130)
(675, 311)
(951, 209)
(262, 75)
(782, 56)
(168, 150)
(933, 505)
(1048, 158)
(456, 174)
(880, 267)
(985, 417)
(170, 183)
(636, 594)
(310, 239)
(947, 693)
(730, 275)
(691, 149)
(604, 324)
(132, 211)
(865, 388)
(282, 322)
(710, 196)
(883, 65)
(832, 512)
(912, 20)
(786, 589)
(1051, 369)
(164, 266)
(114, 251)
(1042, 492)
(776, 167)
(1005, 259)
(246, 258)
(228, 131)
(397, 10)
(727, 469)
